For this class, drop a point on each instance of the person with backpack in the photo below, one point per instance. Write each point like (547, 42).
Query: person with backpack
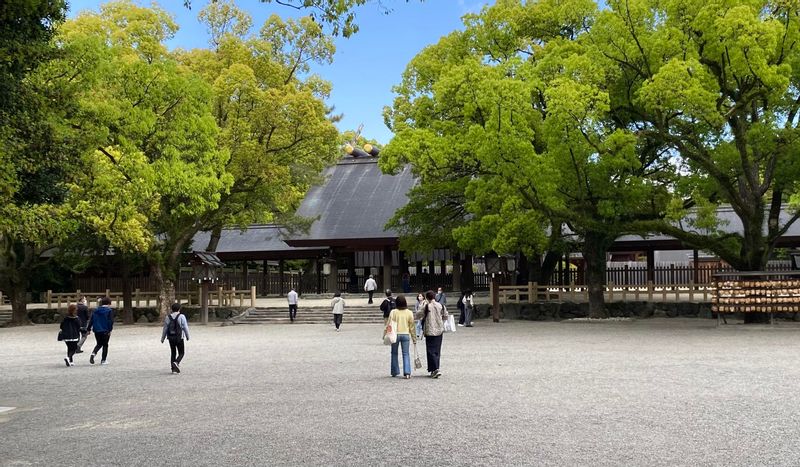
(70, 332)
(388, 304)
(175, 327)
(83, 317)
(102, 321)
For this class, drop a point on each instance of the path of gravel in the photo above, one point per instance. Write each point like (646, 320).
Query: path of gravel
(649, 392)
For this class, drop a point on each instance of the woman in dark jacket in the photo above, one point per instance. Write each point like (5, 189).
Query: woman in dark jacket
(71, 332)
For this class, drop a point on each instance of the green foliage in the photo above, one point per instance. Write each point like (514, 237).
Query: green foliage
(338, 14)
(272, 118)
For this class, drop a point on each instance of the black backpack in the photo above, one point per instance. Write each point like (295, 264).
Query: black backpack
(174, 327)
(387, 306)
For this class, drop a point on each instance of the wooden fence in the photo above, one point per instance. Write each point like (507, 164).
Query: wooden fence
(218, 297)
(649, 292)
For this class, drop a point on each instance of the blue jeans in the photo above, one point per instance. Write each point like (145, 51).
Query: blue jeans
(403, 339)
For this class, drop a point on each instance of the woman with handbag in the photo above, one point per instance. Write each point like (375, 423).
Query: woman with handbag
(433, 314)
(403, 318)
(70, 332)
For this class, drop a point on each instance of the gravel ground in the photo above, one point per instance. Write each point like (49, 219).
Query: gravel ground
(648, 392)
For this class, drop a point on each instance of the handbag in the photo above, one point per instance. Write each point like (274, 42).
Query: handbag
(450, 325)
(417, 361)
(390, 333)
(60, 336)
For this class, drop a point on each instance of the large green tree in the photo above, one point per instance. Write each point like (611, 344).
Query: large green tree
(36, 150)
(717, 84)
(271, 113)
(517, 100)
(153, 175)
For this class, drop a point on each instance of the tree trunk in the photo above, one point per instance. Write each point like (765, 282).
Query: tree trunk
(594, 252)
(19, 303)
(548, 267)
(213, 240)
(166, 291)
(127, 293)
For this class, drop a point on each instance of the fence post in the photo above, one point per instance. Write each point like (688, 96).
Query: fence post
(252, 296)
(649, 291)
(136, 297)
(219, 297)
(108, 293)
(49, 299)
(610, 291)
(58, 306)
(691, 290)
(572, 290)
(232, 299)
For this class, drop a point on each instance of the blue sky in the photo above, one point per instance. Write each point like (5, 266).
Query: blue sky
(366, 65)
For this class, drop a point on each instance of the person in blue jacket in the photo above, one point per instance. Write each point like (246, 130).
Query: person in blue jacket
(102, 321)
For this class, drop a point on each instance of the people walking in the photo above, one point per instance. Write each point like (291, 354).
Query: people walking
(460, 305)
(175, 328)
(469, 307)
(291, 297)
(370, 286)
(102, 321)
(387, 305)
(434, 315)
(338, 309)
(441, 297)
(83, 317)
(71, 332)
(405, 335)
(417, 308)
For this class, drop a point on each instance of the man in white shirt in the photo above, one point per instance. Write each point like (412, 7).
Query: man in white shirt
(370, 286)
(291, 297)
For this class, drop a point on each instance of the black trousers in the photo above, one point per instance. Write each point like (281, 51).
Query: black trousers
(176, 345)
(72, 346)
(292, 311)
(102, 342)
(370, 292)
(433, 349)
(337, 320)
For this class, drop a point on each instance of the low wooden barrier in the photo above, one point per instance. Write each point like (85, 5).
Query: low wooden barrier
(649, 292)
(216, 298)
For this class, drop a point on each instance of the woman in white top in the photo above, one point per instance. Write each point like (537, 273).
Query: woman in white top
(338, 309)
(418, 323)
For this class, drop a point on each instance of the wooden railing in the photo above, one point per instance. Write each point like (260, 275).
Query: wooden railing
(649, 292)
(216, 298)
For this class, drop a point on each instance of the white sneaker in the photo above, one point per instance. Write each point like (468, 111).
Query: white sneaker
(461, 325)
(104, 362)
(71, 363)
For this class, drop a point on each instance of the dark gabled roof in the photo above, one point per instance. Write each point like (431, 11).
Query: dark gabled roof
(257, 242)
(353, 205)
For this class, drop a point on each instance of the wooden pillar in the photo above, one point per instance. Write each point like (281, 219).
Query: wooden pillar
(387, 267)
(280, 278)
(351, 273)
(651, 265)
(467, 276)
(696, 266)
(204, 301)
(333, 278)
(244, 275)
(456, 272)
(495, 298)
(264, 279)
